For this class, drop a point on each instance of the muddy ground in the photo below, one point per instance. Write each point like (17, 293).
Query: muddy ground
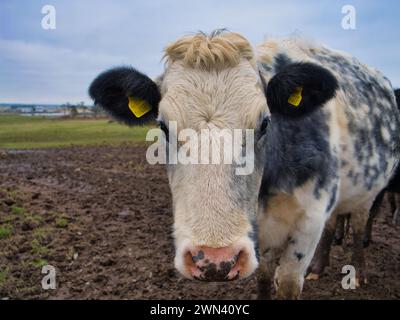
(102, 217)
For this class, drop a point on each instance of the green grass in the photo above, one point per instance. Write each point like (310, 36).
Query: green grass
(17, 210)
(61, 223)
(25, 215)
(38, 248)
(41, 233)
(6, 231)
(38, 263)
(19, 132)
(32, 217)
(3, 276)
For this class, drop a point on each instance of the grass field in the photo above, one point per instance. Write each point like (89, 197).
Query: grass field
(19, 132)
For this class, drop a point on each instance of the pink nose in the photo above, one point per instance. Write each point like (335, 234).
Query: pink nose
(215, 264)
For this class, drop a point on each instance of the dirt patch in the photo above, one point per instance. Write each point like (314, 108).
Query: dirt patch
(102, 216)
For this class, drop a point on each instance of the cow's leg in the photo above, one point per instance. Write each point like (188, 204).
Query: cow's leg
(339, 233)
(267, 266)
(394, 199)
(358, 222)
(272, 236)
(393, 206)
(289, 276)
(321, 256)
(396, 214)
(373, 212)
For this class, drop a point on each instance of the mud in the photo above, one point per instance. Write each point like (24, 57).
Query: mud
(102, 217)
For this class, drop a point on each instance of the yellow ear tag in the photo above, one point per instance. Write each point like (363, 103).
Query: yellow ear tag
(296, 97)
(138, 106)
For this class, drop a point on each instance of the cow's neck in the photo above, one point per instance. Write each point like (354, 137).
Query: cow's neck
(297, 151)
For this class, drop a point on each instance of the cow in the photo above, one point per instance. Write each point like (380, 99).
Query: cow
(393, 195)
(393, 192)
(338, 226)
(325, 142)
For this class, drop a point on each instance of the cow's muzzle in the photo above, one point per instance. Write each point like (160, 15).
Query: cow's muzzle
(217, 264)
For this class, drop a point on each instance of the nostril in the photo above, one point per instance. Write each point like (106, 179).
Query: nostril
(235, 258)
(241, 258)
(239, 262)
(195, 261)
(189, 261)
(240, 255)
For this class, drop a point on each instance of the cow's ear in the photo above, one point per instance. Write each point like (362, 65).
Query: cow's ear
(299, 89)
(128, 95)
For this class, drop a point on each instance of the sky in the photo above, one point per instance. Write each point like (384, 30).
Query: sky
(56, 66)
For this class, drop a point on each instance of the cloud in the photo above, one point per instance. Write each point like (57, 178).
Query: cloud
(47, 74)
(56, 66)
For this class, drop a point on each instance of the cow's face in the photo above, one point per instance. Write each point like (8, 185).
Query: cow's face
(213, 205)
(210, 83)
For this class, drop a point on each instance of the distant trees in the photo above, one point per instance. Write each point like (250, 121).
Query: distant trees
(74, 110)
(82, 108)
(65, 108)
(97, 111)
(69, 109)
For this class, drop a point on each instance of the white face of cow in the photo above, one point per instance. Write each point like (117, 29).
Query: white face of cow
(211, 82)
(213, 206)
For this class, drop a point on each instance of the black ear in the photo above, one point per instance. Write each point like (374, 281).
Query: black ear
(128, 95)
(397, 94)
(299, 89)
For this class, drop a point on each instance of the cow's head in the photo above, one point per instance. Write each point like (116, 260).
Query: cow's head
(212, 82)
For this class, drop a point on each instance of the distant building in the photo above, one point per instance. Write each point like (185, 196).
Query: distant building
(5, 109)
(26, 109)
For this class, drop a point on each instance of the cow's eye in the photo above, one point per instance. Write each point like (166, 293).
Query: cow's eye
(264, 126)
(164, 128)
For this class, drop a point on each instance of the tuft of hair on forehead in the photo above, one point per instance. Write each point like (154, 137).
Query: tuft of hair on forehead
(216, 51)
